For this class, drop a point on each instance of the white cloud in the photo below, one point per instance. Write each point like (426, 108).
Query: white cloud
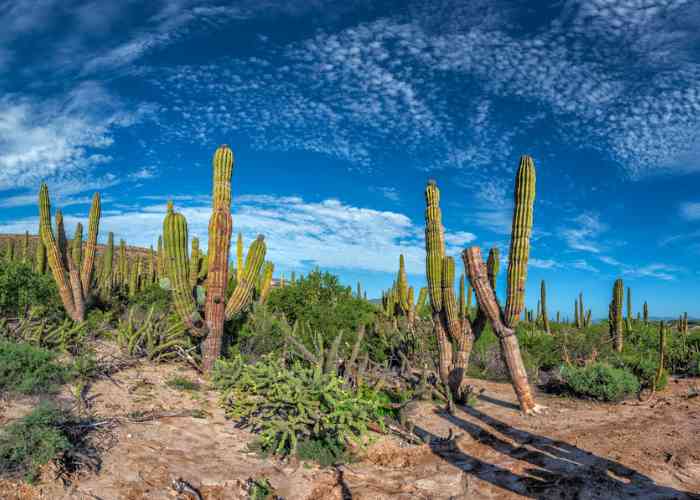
(658, 271)
(56, 139)
(584, 235)
(584, 266)
(299, 234)
(543, 263)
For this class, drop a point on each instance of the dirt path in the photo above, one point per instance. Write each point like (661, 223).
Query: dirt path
(578, 450)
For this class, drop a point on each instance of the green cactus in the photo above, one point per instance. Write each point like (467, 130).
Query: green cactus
(543, 301)
(434, 245)
(265, 282)
(239, 258)
(25, 248)
(65, 268)
(422, 298)
(462, 299)
(134, 276)
(106, 276)
(9, 250)
(251, 270)
(160, 263)
(402, 286)
(520, 240)
(616, 313)
(195, 263)
(628, 320)
(646, 313)
(40, 257)
(493, 263)
(122, 265)
(577, 317)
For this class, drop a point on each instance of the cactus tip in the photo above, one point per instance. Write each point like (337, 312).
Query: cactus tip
(170, 206)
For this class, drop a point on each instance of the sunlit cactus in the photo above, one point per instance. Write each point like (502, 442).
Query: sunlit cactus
(40, 257)
(402, 286)
(251, 270)
(265, 282)
(195, 263)
(543, 301)
(25, 248)
(434, 245)
(628, 319)
(616, 313)
(106, 274)
(646, 314)
(68, 275)
(493, 264)
(239, 257)
(9, 250)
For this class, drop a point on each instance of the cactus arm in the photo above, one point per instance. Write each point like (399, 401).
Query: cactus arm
(616, 313)
(40, 257)
(266, 281)
(194, 263)
(239, 258)
(244, 288)
(91, 245)
(520, 240)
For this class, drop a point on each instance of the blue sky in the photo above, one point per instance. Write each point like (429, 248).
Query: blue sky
(338, 113)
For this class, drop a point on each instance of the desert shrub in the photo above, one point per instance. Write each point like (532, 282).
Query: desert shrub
(288, 405)
(33, 441)
(21, 289)
(259, 332)
(27, 369)
(600, 381)
(182, 384)
(153, 296)
(156, 336)
(322, 303)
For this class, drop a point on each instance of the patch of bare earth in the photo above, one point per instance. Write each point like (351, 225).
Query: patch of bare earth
(577, 450)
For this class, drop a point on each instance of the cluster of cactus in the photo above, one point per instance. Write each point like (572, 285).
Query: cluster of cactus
(71, 268)
(217, 308)
(615, 314)
(128, 276)
(582, 317)
(24, 254)
(35, 329)
(504, 320)
(159, 338)
(399, 300)
(264, 284)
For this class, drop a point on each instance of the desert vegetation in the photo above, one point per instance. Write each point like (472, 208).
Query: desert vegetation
(309, 367)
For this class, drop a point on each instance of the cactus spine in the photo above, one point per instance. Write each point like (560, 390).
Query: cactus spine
(543, 301)
(65, 268)
(616, 313)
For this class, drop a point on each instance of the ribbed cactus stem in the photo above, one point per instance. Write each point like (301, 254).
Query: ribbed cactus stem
(422, 298)
(402, 286)
(77, 246)
(88, 265)
(161, 271)
(219, 247)
(194, 263)
(244, 288)
(462, 299)
(122, 264)
(239, 258)
(493, 266)
(266, 281)
(616, 312)
(9, 250)
(629, 310)
(520, 240)
(25, 248)
(581, 309)
(434, 245)
(134, 276)
(646, 313)
(177, 263)
(40, 257)
(106, 277)
(543, 301)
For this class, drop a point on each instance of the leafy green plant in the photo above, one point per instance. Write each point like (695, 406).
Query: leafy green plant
(21, 288)
(287, 405)
(31, 442)
(27, 369)
(600, 381)
(182, 384)
(153, 296)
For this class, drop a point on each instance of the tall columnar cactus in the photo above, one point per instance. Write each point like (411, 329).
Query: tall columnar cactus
(65, 268)
(239, 257)
(411, 314)
(106, 276)
(577, 315)
(422, 298)
(243, 292)
(462, 298)
(662, 355)
(9, 250)
(543, 301)
(265, 282)
(505, 320)
(194, 263)
(402, 286)
(134, 276)
(520, 240)
(40, 257)
(122, 265)
(616, 313)
(160, 262)
(646, 313)
(581, 309)
(434, 245)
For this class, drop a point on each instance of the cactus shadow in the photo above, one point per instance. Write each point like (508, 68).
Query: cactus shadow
(548, 468)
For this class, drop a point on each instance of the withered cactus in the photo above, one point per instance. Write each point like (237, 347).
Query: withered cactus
(66, 268)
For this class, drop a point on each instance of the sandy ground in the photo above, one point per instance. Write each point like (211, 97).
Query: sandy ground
(577, 450)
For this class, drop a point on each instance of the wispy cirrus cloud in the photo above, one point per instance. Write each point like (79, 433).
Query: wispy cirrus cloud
(583, 236)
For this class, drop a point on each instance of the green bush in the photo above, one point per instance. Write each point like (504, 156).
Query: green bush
(182, 384)
(289, 405)
(153, 296)
(29, 443)
(21, 289)
(322, 303)
(29, 370)
(600, 381)
(259, 332)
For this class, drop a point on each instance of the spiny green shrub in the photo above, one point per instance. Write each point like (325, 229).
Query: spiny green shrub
(21, 288)
(600, 381)
(182, 384)
(259, 332)
(31, 442)
(287, 405)
(158, 337)
(29, 370)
